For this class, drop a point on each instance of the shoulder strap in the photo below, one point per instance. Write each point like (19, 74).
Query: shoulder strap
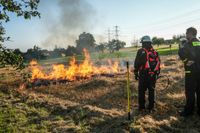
(147, 53)
(147, 66)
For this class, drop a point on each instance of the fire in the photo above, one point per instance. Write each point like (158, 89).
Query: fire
(84, 70)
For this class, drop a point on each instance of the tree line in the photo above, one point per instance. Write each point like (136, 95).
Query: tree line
(161, 41)
(175, 40)
(85, 40)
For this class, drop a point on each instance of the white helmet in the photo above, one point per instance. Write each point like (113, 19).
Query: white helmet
(146, 39)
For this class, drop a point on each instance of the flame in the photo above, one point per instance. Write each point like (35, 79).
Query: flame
(84, 70)
(36, 70)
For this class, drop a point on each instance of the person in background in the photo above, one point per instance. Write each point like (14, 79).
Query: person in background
(190, 55)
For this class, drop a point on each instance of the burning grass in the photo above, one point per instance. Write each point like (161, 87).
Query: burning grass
(74, 71)
(97, 104)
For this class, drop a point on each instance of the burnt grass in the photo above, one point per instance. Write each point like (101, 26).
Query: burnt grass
(97, 105)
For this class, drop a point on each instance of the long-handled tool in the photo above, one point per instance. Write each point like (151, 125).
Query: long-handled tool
(128, 91)
(131, 129)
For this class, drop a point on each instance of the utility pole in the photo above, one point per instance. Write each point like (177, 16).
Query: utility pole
(109, 35)
(117, 32)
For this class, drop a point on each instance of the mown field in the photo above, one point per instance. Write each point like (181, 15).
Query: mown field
(97, 105)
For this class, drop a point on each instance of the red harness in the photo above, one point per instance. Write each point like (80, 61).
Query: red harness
(149, 53)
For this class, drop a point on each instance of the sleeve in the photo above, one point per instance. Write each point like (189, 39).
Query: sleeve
(196, 54)
(183, 54)
(139, 60)
(198, 59)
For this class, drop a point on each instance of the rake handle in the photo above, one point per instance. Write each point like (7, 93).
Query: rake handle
(128, 90)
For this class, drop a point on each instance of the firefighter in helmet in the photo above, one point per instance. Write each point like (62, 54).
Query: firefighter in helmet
(146, 70)
(190, 55)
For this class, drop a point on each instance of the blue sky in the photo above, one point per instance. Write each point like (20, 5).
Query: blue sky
(162, 18)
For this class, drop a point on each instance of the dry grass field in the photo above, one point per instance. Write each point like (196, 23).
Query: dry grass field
(98, 104)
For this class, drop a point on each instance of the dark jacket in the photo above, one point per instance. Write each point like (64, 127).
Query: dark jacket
(191, 52)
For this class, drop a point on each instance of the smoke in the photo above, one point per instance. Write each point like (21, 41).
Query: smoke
(100, 38)
(72, 18)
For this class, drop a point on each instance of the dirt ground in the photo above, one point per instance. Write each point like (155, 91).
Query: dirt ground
(100, 104)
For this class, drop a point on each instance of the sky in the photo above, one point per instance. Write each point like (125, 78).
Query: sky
(63, 20)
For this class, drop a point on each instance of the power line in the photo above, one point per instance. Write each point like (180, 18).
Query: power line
(168, 27)
(158, 26)
(172, 26)
(175, 18)
(163, 26)
(169, 20)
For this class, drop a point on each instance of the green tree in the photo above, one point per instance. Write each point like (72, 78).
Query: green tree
(24, 8)
(71, 50)
(101, 47)
(85, 40)
(34, 53)
(158, 41)
(17, 52)
(154, 40)
(115, 45)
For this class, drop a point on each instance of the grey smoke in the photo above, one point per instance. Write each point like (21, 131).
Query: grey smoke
(74, 17)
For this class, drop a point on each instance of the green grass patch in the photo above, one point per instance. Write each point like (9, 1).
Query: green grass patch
(168, 51)
(19, 117)
(14, 120)
(11, 119)
(119, 54)
(60, 60)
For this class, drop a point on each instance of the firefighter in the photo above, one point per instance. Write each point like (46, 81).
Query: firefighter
(190, 54)
(146, 70)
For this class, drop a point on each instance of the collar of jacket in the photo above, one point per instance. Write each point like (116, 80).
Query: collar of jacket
(193, 40)
(147, 46)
